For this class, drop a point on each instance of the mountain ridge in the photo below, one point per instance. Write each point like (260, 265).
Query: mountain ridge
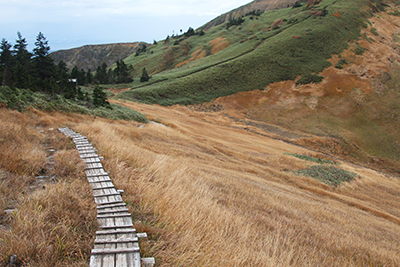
(91, 56)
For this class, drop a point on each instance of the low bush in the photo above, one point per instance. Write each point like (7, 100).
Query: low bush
(327, 174)
(359, 50)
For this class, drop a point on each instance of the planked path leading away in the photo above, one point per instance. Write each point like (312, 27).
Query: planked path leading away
(116, 241)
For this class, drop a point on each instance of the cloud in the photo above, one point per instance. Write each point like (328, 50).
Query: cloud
(101, 21)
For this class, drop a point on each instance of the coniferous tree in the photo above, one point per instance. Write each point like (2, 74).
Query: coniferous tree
(74, 73)
(22, 66)
(82, 77)
(89, 76)
(145, 77)
(121, 73)
(101, 74)
(6, 58)
(67, 87)
(100, 98)
(44, 68)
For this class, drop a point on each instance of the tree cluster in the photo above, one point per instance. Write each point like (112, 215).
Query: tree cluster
(34, 70)
(234, 22)
(120, 74)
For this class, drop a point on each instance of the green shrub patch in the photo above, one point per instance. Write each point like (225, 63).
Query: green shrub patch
(327, 174)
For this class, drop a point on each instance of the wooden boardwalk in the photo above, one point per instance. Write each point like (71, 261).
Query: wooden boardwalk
(116, 243)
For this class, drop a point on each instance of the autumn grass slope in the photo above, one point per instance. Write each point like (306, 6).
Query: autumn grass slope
(210, 193)
(207, 190)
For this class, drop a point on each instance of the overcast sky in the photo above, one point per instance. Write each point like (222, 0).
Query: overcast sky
(73, 23)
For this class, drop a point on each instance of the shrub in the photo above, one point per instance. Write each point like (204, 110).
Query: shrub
(309, 78)
(359, 50)
(145, 77)
(327, 174)
(374, 32)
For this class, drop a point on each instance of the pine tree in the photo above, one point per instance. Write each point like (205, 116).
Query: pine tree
(121, 73)
(101, 74)
(145, 77)
(89, 77)
(44, 67)
(100, 98)
(6, 58)
(22, 66)
(67, 87)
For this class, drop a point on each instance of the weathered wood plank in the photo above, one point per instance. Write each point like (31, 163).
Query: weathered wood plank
(114, 241)
(118, 209)
(106, 227)
(116, 231)
(106, 206)
(106, 202)
(115, 250)
(114, 215)
(102, 187)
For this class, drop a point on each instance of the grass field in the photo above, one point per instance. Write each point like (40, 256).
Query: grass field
(207, 191)
(209, 194)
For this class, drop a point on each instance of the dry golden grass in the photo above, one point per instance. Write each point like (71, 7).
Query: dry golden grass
(52, 225)
(210, 194)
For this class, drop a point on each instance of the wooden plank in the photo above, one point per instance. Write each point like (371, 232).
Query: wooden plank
(103, 187)
(100, 181)
(107, 195)
(114, 215)
(91, 160)
(93, 155)
(115, 250)
(118, 209)
(96, 174)
(82, 142)
(88, 168)
(84, 145)
(122, 259)
(96, 261)
(119, 204)
(116, 226)
(116, 231)
(114, 241)
(110, 202)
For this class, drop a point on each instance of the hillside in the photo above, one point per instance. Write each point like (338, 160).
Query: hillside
(257, 5)
(92, 56)
(316, 69)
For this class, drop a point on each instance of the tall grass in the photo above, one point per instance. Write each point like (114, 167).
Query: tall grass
(211, 195)
(51, 225)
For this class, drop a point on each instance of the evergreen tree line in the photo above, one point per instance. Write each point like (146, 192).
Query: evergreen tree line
(34, 70)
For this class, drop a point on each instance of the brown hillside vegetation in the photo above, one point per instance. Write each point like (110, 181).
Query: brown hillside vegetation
(354, 110)
(210, 192)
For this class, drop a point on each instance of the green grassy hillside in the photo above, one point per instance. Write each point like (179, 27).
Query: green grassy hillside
(275, 46)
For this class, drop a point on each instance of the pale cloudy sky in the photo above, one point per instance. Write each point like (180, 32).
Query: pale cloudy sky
(73, 23)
